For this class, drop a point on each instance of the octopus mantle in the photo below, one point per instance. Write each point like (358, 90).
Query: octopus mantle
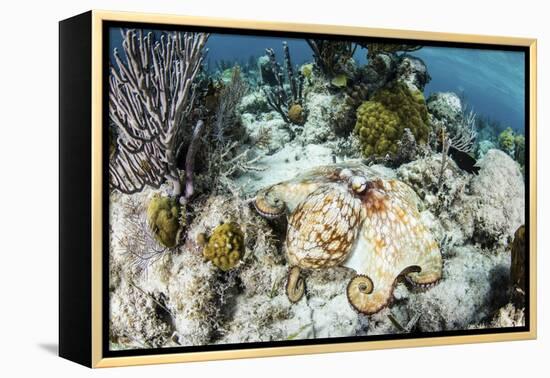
(345, 215)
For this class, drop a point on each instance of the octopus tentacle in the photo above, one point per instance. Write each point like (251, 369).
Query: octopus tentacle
(268, 204)
(431, 267)
(358, 290)
(393, 242)
(295, 285)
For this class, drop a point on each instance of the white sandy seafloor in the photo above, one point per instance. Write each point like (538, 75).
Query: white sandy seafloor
(179, 299)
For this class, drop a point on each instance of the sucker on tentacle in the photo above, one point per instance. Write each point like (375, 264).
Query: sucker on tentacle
(267, 214)
(295, 285)
(419, 286)
(358, 290)
(268, 204)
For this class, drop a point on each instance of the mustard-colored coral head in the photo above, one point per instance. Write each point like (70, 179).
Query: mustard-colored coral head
(307, 70)
(296, 114)
(163, 219)
(340, 81)
(225, 247)
(382, 120)
(377, 129)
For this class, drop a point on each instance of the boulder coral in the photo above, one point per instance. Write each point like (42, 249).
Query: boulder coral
(444, 193)
(381, 121)
(163, 219)
(499, 191)
(225, 247)
(377, 129)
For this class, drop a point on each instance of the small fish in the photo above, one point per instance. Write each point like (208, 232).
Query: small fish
(464, 160)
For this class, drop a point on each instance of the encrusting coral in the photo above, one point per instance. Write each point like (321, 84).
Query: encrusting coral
(384, 64)
(443, 193)
(225, 247)
(163, 218)
(382, 120)
(344, 215)
(413, 72)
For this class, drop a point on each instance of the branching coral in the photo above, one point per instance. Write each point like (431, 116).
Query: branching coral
(382, 120)
(142, 247)
(460, 140)
(151, 94)
(228, 99)
(224, 162)
(332, 58)
(464, 134)
(288, 103)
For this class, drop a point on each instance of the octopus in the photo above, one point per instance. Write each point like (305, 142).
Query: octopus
(346, 215)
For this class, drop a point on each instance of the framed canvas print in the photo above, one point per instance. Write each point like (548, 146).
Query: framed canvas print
(234, 189)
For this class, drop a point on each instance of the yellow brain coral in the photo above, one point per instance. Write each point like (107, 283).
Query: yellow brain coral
(226, 246)
(382, 120)
(296, 114)
(163, 219)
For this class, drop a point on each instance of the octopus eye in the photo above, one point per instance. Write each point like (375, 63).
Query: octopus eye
(358, 184)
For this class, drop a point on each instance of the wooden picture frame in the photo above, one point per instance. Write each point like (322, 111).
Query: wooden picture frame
(84, 191)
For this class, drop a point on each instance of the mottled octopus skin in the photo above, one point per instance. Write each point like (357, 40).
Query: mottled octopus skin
(376, 231)
(392, 241)
(292, 192)
(323, 228)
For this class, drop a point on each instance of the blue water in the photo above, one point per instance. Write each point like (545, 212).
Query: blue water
(492, 81)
